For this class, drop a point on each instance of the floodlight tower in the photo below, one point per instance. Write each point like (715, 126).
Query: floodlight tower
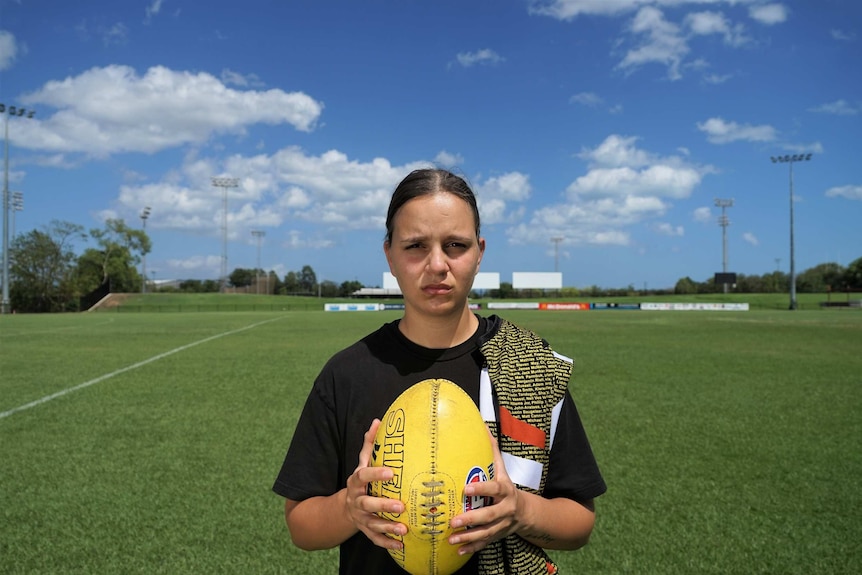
(557, 240)
(258, 234)
(224, 184)
(723, 222)
(790, 159)
(17, 206)
(145, 213)
(5, 306)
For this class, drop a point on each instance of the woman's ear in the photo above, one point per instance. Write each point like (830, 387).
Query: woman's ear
(386, 248)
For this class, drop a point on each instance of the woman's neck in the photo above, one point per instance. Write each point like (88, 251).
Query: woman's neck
(440, 332)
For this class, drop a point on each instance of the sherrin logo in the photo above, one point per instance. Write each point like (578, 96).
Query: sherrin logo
(476, 475)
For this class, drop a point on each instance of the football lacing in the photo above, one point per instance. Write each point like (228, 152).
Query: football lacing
(432, 501)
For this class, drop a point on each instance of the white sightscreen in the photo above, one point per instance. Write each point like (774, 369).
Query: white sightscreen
(537, 280)
(487, 280)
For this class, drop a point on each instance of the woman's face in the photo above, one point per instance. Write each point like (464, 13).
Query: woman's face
(434, 253)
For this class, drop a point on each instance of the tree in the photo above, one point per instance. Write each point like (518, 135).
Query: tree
(853, 275)
(241, 277)
(815, 280)
(42, 270)
(291, 284)
(347, 288)
(505, 291)
(685, 286)
(307, 280)
(120, 250)
(94, 267)
(274, 283)
(328, 288)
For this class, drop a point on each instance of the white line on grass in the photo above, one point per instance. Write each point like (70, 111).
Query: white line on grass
(68, 390)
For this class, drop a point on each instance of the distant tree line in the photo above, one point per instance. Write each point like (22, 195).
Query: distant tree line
(48, 275)
(828, 277)
(258, 281)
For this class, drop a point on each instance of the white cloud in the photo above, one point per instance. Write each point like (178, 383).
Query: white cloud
(708, 23)
(839, 108)
(848, 192)
(667, 229)
(658, 180)
(587, 99)
(716, 79)
(750, 238)
(110, 110)
(8, 50)
(702, 214)
(619, 168)
(571, 9)
(658, 40)
(617, 151)
(495, 196)
(815, 148)
(243, 80)
(486, 56)
(661, 42)
(152, 10)
(623, 186)
(287, 187)
(448, 160)
(842, 35)
(768, 14)
(115, 35)
(719, 131)
(196, 263)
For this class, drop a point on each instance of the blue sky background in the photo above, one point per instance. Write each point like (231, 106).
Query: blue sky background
(612, 124)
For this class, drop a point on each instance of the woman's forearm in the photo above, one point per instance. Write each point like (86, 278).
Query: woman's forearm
(555, 523)
(319, 522)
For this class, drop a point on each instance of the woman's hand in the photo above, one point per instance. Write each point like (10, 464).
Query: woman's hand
(363, 508)
(492, 522)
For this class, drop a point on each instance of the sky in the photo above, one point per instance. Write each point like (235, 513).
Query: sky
(597, 134)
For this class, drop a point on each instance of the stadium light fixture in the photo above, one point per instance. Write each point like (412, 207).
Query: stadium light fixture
(259, 234)
(791, 159)
(145, 213)
(723, 221)
(5, 306)
(224, 184)
(17, 206)
(557, 240)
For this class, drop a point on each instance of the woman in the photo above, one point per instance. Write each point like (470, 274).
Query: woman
(546, 476)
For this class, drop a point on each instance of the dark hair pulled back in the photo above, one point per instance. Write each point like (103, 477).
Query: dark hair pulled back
(427, 181)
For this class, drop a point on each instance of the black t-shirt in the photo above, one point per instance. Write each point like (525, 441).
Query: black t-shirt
(358, 384)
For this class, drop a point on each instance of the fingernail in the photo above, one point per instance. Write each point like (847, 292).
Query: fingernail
(456, 523)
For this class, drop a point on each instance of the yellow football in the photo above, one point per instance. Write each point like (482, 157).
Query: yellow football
(434, 439)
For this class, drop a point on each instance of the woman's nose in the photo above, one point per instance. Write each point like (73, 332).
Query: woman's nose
(437, 262)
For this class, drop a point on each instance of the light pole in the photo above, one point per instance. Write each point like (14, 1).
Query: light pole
(17, 206)
(5, 306)
(723, 222)
(789, 159)
(224, 184)
(557, 240)
(145, 213)
(259, 235)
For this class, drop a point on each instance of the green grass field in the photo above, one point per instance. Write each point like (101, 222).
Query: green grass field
(730, 442)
